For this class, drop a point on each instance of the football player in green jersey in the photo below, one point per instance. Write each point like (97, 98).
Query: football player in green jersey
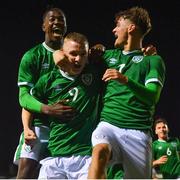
(166, 151)
(36, 62)
(79, 82)
(134, 84)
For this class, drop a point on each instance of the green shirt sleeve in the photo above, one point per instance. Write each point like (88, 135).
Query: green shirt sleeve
(149, 94)
(27, 101)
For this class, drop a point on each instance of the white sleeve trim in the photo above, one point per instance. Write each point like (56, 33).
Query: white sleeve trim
(25, 84)
(31, 93)
(153, 80)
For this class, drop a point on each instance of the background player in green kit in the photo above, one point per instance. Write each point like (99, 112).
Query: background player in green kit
(78, 82)
(134, 83)
(35, 63)
(166, 151)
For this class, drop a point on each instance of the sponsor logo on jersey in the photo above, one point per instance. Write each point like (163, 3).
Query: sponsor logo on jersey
(45, 66)
(137, 59)
(87, 79)
(112, 61)
(160, 147)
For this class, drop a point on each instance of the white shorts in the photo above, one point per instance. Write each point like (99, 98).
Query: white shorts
(36, 152)
(130, 147)
(73, 167)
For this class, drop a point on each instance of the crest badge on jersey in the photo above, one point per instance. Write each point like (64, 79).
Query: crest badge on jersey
(87, 79)
(137, 59)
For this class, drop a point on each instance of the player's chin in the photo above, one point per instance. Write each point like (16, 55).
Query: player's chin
(57, 37)
(76, 71)
(118, 43)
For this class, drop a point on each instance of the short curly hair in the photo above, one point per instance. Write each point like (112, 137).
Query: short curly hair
(139, 16)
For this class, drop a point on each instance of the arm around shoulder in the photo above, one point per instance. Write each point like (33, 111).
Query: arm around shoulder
(27, 101)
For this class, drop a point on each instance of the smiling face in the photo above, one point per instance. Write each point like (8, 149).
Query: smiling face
(76, 54)
(162, 130)
(121, 31)
(54, 25)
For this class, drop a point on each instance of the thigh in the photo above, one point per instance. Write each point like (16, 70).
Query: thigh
(27, 169)
(137, 155)
(102, 134)
(105, 133)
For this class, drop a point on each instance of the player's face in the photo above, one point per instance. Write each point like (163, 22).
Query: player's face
(121, 32)
(54, 25)
(161, 130)
(77, 55)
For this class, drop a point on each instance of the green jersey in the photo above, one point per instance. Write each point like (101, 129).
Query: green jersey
(35, 63)
(171, 148)
(121, 106)
(72, 137)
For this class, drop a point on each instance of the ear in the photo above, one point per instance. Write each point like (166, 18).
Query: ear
(168, 129)
(43, 27)
(131, 27)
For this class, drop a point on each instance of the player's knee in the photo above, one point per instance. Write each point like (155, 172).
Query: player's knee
(101, 153)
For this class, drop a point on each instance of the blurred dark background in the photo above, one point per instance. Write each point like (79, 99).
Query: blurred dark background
(21, 29)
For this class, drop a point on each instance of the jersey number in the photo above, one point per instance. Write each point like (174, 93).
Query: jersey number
(74, 93)
(169, 152)
(121, 66)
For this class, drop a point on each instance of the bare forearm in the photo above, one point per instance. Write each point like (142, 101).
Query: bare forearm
(27, 118)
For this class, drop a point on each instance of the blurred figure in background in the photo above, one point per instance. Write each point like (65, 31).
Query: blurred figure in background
(166, 152)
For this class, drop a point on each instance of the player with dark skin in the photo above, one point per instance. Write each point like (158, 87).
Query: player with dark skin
(54, 27)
